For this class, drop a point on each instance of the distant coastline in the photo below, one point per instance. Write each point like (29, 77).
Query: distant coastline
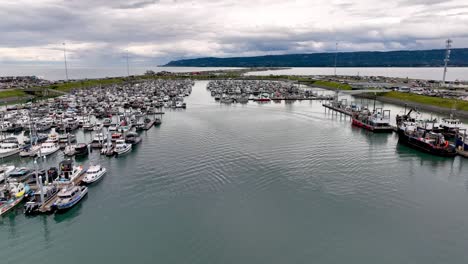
(404, 58)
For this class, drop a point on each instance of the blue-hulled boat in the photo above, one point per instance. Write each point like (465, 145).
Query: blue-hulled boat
(70, 196)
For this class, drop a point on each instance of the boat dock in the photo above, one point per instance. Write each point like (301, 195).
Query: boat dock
(321, 98)
(338, 109)
(47, 206)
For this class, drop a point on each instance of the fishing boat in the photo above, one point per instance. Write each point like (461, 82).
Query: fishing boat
(48, 148)
(69, 150)
(81, 150)
(5, 171)
(157, 121)
(140, 126)
(107, 122)
(68, 172)
(9, 149)
(88, 126)
(121, 147)
(98, 140)
(98, 127)
(377, 121)
(22, 174)
(425, 140)
(148, 123)
(116, 136)
(67, 138)
(94, 174)
(449, 127)
(264, 97)
(132, 138)
(69, 197)
(11, 196)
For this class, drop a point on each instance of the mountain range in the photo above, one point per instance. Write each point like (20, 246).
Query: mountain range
(402, 58)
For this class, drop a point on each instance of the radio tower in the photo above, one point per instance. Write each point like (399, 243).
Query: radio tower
(448, 46)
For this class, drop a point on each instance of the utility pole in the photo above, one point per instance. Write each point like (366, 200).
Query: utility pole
(336, 55)
(448, 46)
(128, 69)
(65, 60)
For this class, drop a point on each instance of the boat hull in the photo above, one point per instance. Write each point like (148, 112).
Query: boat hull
(425, 147)
(69, 205)
(10, 206)
(386, 129)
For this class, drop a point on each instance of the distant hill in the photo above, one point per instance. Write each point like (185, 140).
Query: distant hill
(409, 58)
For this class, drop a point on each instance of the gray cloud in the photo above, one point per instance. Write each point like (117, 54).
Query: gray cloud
(154, 31)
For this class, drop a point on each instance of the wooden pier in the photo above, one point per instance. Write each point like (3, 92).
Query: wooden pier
(462, 153)
(337, 109)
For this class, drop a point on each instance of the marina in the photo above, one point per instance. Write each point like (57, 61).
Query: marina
(213, 160)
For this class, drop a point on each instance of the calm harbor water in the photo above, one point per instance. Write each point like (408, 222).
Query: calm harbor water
(256, 183)
(58, 73)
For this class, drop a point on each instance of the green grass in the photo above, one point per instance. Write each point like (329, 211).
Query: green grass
(333, 85)
(12, 93)
(66, 87)
(429, 100)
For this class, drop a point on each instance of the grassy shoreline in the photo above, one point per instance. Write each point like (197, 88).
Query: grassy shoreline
(429, 100)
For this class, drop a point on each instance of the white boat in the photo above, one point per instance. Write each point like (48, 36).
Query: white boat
(53, 137)
(94, 174)
(5, 170)
(98, 127)
(88, 126)
(68, 172)
(98, 140)
(121, 147)
(48, 148)
(69, 150)
(9, 149)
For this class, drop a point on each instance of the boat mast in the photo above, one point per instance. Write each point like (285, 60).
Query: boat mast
(39, 181)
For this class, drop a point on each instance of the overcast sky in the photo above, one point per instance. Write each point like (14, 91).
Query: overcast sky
(97, 32)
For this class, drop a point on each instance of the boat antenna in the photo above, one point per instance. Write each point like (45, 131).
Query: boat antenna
(65, 60)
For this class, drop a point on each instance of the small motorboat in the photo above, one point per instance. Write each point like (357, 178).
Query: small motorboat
(5, 170)
(94, 174)
(121, 147)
